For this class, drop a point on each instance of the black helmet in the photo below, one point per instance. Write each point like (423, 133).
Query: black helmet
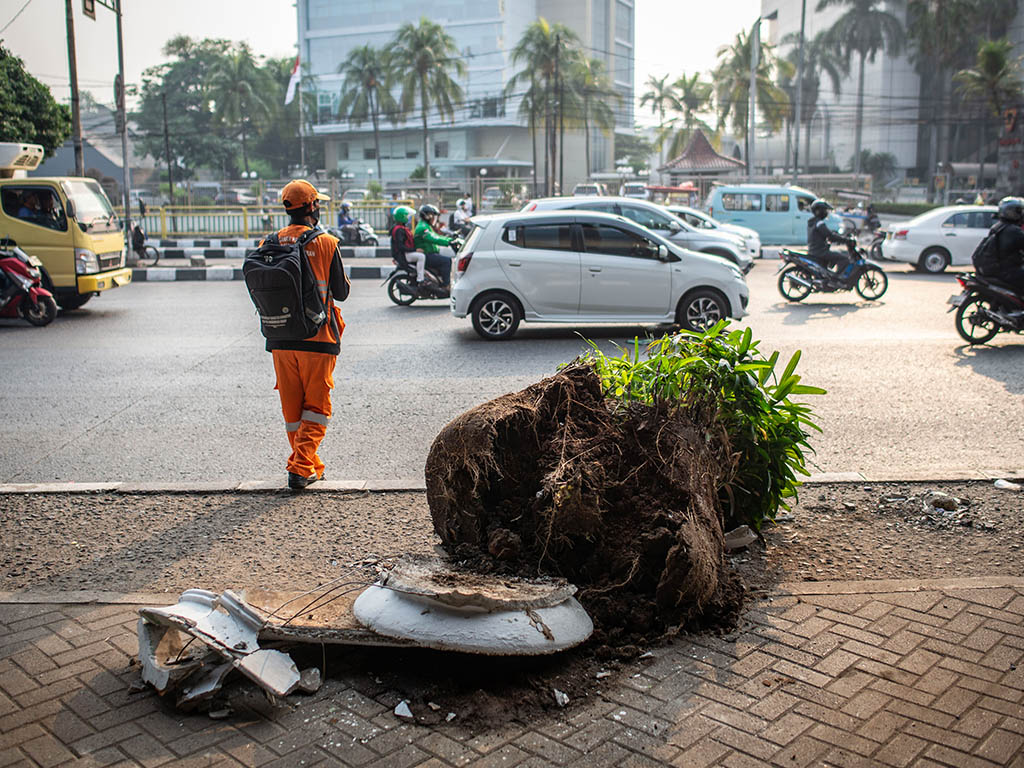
(820, 208)
(1011, 209)
(428, 210)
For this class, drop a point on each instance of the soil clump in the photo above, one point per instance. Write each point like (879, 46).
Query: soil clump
(623, 503)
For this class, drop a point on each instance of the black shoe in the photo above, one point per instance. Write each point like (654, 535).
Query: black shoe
(298, 482)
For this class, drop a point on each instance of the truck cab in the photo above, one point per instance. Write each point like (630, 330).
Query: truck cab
(65, 221)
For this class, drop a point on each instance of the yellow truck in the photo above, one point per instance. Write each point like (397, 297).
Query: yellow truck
(65, 221)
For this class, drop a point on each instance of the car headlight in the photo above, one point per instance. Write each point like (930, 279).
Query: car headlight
(86, 262)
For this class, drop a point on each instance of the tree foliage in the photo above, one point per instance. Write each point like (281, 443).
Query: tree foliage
(28, 113)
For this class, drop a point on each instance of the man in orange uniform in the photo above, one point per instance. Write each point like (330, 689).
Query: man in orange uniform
(305, 367)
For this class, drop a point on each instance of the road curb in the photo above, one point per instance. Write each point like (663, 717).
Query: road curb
(417, 484)
(230, 249)
(784, 589)
(182, 274)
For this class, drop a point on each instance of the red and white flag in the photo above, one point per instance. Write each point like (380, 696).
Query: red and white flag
(293, 83)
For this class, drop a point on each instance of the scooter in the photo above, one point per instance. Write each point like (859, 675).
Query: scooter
(403, 289)
(801, 276)
(359, 233)
(23, 294)
(985, 307)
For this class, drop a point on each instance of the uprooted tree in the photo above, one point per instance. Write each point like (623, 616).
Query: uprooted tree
(621, 475)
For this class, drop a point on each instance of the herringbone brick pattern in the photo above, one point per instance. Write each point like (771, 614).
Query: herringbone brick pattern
(929, 674)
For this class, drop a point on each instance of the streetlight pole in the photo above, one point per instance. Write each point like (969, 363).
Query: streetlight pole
(799, 93)
(76, 115)
(755, 53)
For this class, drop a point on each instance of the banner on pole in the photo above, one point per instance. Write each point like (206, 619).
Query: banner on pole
(293, 83)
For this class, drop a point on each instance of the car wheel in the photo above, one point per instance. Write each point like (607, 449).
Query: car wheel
(496, 316)
(71, 301)
(933, 261)
(701, 309)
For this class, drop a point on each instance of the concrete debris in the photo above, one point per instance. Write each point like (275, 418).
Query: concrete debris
(939, 500)
(1006, 485)
(402, 711)
(561, 699)
(451, 716)
(310, 680)
(433, 706)
(602, 674)
(219, 714)
(738, 538)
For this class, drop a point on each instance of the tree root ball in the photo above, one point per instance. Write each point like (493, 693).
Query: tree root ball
(622, 502)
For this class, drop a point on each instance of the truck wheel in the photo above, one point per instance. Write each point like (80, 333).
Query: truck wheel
(70, 301)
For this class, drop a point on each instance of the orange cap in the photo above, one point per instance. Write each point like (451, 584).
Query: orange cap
(299, 193)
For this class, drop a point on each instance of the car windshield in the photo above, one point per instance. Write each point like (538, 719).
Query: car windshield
(92, 208)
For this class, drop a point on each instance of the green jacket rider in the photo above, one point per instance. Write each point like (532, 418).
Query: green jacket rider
(425, 237)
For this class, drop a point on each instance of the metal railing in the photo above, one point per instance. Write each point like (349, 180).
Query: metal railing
(249, 221)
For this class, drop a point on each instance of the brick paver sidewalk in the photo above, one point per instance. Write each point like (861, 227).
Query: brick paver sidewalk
(923, 673)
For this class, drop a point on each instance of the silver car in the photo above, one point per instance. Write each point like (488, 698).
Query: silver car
(657, 219)
(584, 267)
(701, 220)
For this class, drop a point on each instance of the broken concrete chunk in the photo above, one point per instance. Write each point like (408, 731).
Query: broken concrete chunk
(1006, 485)
(562, 699)
(161, 650)
(204, 684)
(740, 537)
(402, 711)
(310, 680)
(273, 670)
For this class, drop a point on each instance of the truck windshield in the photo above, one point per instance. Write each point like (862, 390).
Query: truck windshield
(92, 208)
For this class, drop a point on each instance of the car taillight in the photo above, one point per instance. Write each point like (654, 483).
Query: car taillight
(900, 234)
(962, 281)
(463, 263)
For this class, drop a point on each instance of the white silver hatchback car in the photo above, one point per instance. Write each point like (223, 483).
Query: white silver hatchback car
(939, 238)
(581, 267)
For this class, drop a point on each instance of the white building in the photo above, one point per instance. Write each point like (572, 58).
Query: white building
(486, 132)
(891, 98)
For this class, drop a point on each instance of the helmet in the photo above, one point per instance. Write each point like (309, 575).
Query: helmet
(820, 208)
(461, 203)
(346, 205)
(403, 214)
(1011, 209)
(428, 210)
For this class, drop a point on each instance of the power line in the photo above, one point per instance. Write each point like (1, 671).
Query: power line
(15, 17)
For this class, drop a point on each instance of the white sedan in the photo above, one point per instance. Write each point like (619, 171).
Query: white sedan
(700, 220)
(939, 238)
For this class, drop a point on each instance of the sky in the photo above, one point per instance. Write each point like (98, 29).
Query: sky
(667, 38)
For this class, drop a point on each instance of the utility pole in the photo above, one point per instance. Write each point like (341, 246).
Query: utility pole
(799, 93)
(167, 150)
(76, 115)
(302, 130)
(126, 173)
(561, 122)
(755, 50)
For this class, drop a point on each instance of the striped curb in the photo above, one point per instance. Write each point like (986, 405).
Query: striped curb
(239, 252)
(181, 274)
(417, 484)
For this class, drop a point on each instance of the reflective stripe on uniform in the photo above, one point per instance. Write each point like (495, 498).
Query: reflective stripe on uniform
(292, 426)
(316, 418)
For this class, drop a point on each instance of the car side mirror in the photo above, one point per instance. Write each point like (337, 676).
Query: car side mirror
(662, 253)
(70, 208)
(674, 225)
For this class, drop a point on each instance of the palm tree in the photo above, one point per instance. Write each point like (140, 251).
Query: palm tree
(732, 87)
(864, 29)
(692, 96)
(365, 91)
(820, 56)
(531, 104)
(995, 81)
(592, 90)
(424, 57)
(546, 52)
(237, 87)
(661, 96)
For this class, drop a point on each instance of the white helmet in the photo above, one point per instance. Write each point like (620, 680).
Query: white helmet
(461, 203)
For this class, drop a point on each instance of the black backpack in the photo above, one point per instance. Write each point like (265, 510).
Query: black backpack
(282, 286)
(986, 256)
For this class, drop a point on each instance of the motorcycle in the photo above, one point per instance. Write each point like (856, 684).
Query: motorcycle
(985, 307)
(24, 295)
(874, 248)
(800, 276)
(359, 233)
(403, 289)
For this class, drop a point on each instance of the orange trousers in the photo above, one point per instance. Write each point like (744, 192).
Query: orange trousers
(304, 383)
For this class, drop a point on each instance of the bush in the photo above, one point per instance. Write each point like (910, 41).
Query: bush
(720, 377)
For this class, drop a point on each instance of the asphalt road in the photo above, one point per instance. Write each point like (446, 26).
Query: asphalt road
(169, 382)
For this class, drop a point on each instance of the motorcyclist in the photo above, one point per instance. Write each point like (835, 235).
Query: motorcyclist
(1005, 261)
(403, 247)
(820, 235)
(427, 240)
(460, 219)
(345, 214)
